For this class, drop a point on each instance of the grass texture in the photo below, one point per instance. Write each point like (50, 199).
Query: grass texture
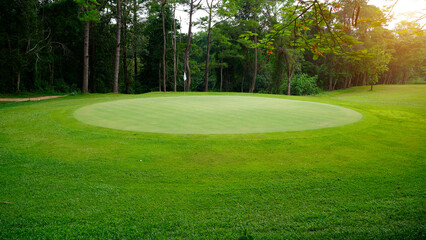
(215, 115)
(61, 178)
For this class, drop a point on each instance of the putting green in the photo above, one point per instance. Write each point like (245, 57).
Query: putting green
(215, 115)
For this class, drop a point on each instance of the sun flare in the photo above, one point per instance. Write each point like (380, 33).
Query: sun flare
(404, 10)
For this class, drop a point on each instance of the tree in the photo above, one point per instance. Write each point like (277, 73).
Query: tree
(409, 49)
(135, 35)
(175, 55)
(163, 3)
(193, 6)
(210, 6)
(20, 40)
(117, 48)
(378, 66)
(244, 45)
(151, 77)
(89, 13)
(124, 41)
(226, 51)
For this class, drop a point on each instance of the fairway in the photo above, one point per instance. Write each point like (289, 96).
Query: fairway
(215, 115)
(61, 178)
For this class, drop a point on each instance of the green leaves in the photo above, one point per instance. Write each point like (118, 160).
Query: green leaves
(245, 40)
(89, 10)
(87, 4)
(92, 15)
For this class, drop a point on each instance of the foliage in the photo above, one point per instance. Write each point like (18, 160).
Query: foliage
(41, 44)
(302, 84)
(89, 10)
(154, 48)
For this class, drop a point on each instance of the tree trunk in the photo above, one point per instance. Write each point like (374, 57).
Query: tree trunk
(188, 48)
(134, 39)
(206, 77)
(92, 50)
(335, 83)
(117, 48)
(174, 50)
(290, 65)
(177, 66)
(187, 67)
(125, 70)
(350, 81)
(330, 79)
(289, 84)
(85, 87)
(253, 82)
(135, 71)
(164, 45)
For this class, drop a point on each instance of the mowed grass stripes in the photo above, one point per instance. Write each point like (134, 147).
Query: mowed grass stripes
(61, 178)
(215, 115)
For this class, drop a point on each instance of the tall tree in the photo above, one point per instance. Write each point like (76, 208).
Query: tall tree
(90, 12)
(175, 56)
(117, 48)
(21, 38)
(193, 6)
(163, 4)
(134, 44)
(379, 64)
(253, 81)
(410, 47)
(125, 18)
(210, 6)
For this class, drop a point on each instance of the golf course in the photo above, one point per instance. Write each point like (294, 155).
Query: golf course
(215, 115)
(346, 164)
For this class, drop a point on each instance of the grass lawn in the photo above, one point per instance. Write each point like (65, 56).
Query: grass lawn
(215, 115)
(62, 178)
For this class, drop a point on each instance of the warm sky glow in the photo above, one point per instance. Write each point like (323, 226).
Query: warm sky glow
(404, 10)
(410, 10)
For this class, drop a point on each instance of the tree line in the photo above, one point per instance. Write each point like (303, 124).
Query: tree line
(271, 46)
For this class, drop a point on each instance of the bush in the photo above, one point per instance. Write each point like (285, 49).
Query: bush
(61, 85)
(302, 84)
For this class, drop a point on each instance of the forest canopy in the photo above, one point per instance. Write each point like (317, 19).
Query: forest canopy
(289, 47)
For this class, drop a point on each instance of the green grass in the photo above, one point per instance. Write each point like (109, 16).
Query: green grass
(215, 115)
(67, 179)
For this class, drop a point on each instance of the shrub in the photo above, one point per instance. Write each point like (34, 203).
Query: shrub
(302, 84)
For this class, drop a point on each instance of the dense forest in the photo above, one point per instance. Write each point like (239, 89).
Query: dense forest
(269, 46)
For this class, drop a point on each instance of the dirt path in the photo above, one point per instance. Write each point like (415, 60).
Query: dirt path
(29, 99)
